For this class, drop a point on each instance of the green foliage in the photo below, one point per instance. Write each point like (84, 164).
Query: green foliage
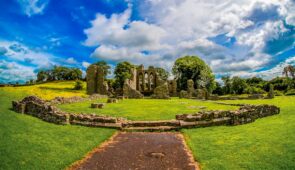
(163, 74)
(192, 67)
(122, 72)
(105, 67)
(78, 85)
(218, 89)
(254, 90)
(59, 73)
(238, 85)
(278, 93)
(290, 92)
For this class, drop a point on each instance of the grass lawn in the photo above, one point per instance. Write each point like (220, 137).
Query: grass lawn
(29, 143)
(268, 143)
(145, 109)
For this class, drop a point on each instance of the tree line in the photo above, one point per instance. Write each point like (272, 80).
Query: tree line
(184, 69)
(59, 73)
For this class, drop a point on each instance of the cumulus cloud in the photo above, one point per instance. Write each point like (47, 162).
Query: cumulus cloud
(13, 72)
(170, 29)
(32, 7)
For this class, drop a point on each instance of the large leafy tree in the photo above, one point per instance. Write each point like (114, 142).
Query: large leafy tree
(122, 72)
(239, 85)
(105, 67)
(192, 67)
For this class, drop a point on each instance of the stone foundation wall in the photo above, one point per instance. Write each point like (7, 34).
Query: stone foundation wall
(41, 109)
(245, 114)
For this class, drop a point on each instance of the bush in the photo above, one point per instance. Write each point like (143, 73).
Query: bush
(278, 93)
(254, 90)
(78, 85)
(290, 92)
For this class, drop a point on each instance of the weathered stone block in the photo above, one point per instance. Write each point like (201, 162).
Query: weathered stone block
(97, 105)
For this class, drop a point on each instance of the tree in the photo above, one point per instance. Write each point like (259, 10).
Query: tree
(289, 70)
(105, 66)
(227, 85)
(122, 72)
(238, 85)
(192, 67)
(162, 73)
(42, 76)
(218, 90)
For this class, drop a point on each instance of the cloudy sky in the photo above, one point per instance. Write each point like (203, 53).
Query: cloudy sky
(235, 37)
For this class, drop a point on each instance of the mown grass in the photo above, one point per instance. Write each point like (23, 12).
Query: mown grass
(29, 143)
(145, 109)
(268, 143)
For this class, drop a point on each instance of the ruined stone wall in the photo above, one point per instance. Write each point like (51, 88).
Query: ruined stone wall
(41, 109)
(95, 80)
(245, 114)
(130, 92)
(161, 92)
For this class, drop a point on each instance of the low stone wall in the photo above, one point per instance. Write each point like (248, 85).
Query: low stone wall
(36, 107)
(245, 114)
(75, 99)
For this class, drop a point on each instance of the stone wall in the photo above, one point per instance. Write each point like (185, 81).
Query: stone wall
(130, 92)
(95, 80)
(41, 109)
(161, 92)
(245, 114)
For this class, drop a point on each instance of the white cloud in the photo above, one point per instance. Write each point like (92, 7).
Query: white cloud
(268, 74)
(21, 53)
(71, 60)
(32, 7)
(13, 72)
(85, 64)
(174, 28)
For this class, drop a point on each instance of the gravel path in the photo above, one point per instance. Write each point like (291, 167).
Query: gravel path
(140, 150)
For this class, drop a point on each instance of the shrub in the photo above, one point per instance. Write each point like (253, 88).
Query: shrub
(78, 85)
(290, 92)
(278, 93)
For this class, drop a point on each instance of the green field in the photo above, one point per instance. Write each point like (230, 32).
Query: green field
(29, 143)
(145, 109)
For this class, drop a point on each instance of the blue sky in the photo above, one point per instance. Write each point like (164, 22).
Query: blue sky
(235, 37)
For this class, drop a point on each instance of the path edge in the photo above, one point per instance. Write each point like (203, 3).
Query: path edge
(189, 152)
(89, 154)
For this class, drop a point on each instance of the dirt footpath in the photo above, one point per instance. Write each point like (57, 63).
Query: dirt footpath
(140, 150)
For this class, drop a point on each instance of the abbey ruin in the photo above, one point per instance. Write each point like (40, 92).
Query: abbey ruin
(143, 82)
